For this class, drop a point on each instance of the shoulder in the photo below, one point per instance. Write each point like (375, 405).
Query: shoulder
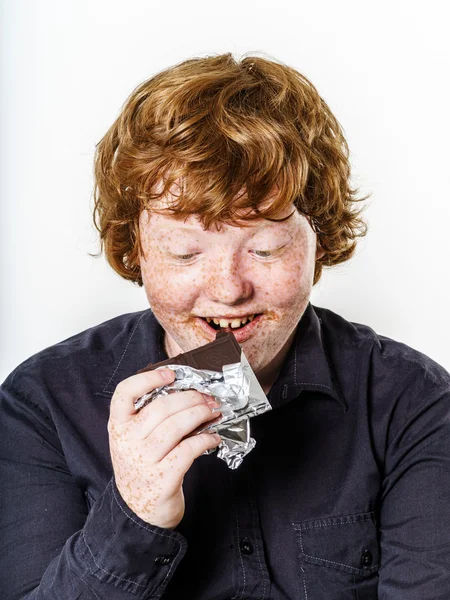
(384, 352)
(397, 379)
(83, 361)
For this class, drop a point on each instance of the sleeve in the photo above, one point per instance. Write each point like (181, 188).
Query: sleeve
(51, 546)
(415, 500)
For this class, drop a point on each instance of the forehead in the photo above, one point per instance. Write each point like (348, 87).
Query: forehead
(161, 223)
(159, 218)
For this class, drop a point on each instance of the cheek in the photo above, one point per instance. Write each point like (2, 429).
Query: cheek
(167, 288)
(289, 281)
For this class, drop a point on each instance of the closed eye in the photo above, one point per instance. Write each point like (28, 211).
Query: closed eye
(267, 253)
(184, 258)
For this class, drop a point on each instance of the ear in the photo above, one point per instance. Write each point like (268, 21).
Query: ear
(319, 252)
(144, 217)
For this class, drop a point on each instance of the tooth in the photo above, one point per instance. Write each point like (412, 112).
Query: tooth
(251, 318)
(244, 320)
(208, 319)
(222, 322)
(216, 321)
(235, 324)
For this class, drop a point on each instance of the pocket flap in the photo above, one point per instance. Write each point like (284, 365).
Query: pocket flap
(346, 543)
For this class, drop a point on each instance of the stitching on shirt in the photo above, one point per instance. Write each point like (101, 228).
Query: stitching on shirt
(318, 384)
(304, 584)
(332, 562)
(151, 531)
(301, 567)
(87, 583)
(97, 577)
(305, 382)
(295, 364)
(75, 577)
(342, 521)
(104, 571)
(105, 389)
(324, 560)
(257, 544)
(240, 554)
(331, 524)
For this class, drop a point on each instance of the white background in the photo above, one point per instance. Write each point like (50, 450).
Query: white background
(67, 67)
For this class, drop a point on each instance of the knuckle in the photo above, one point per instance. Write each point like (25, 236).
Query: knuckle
(163, 408)
(201, 411)
(166, 406)
(174, 431)
(156, 405)
(179, 432)
(209, 440)
(121, 389)
(197, 444)
(192, 396)
(192, 444)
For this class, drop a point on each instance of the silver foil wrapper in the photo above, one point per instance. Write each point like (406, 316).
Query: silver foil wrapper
(239, 395)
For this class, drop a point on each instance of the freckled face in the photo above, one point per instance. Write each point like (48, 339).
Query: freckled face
(265, 269)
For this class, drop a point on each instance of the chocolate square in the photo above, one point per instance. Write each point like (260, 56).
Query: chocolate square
(225, 350)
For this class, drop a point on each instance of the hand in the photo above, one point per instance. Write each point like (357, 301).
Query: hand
(149, 449)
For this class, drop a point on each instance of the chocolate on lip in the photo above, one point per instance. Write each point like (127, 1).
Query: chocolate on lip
(231, 317)
(249, 317)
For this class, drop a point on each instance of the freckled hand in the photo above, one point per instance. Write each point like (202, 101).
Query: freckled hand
(151, 450)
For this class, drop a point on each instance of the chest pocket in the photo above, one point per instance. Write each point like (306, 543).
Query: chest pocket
(339, 557)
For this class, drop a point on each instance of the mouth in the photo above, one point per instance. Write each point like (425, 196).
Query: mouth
(242, 327)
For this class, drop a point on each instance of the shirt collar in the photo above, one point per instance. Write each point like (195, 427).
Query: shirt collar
(307, 367)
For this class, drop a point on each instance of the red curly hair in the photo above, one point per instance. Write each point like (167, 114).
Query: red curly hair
(220, 126)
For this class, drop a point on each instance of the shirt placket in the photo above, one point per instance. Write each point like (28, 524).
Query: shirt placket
(252, 576)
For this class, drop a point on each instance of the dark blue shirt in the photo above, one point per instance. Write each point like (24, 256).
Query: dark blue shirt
(346, 494)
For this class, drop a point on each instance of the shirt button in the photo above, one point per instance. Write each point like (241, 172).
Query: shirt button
(163, 560)
(246, 547)
(366, 558)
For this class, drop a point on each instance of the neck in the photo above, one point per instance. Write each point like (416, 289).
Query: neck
(269, 374)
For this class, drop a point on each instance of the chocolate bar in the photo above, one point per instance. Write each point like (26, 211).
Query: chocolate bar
(220, 369)
(213, 356)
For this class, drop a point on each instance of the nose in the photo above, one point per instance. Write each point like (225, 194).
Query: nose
(227, 282)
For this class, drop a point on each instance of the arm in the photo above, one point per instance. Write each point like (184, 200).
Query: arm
(51, 548)
(415, 502)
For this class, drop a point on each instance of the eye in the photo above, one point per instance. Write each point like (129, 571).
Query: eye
(268, 253)
(185, 258)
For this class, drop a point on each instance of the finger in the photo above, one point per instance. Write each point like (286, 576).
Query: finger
(180, 459)
(173, 430)
(130, 389)
(155, 413)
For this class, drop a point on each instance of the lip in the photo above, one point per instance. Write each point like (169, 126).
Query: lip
(230, 317)
(241, 335)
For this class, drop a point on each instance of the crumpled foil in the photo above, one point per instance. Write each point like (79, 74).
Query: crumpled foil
(239, 394)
